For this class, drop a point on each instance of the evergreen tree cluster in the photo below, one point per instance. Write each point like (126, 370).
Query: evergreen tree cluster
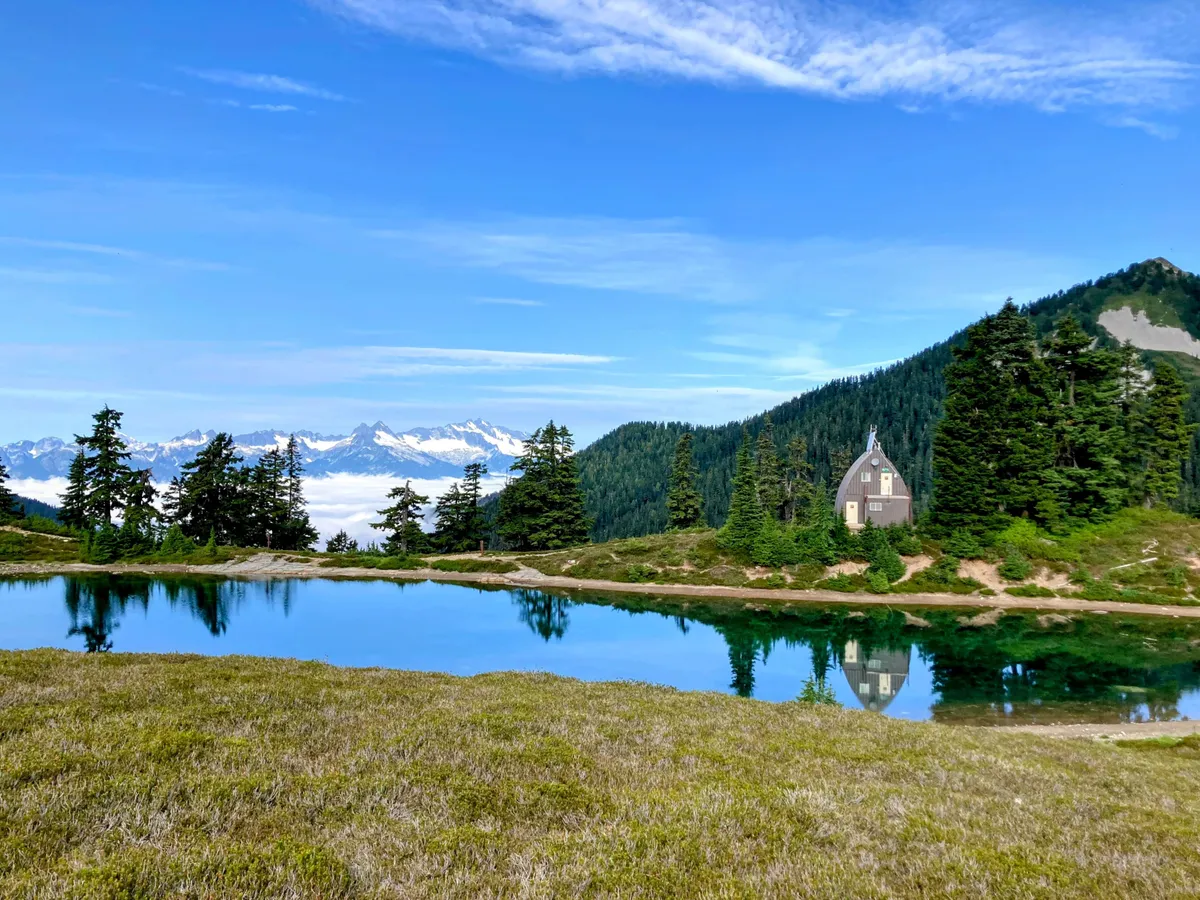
(216, 501)
(543, 509)
(626, 478)
(10, 507)
(1062, 433)
(778, 517)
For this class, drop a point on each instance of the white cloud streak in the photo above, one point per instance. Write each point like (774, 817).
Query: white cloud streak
(269, 84)
(507, 301)
(116, 252)
(1014, 53)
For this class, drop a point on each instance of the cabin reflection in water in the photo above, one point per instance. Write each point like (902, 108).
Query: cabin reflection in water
(875, 676)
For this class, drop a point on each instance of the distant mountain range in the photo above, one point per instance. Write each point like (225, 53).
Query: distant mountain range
(368, 450)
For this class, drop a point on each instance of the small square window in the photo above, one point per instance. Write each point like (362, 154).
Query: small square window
(875, 507)
(864, 476)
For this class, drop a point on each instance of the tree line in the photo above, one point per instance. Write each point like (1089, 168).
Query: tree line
(1062, 432)
(625, 473)
(215, 501)
(542, 508)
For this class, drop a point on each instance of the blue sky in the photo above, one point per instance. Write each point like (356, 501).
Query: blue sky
(310, 214)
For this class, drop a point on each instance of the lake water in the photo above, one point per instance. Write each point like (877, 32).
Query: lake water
(1092, 668)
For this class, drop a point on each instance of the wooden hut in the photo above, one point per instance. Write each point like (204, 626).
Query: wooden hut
(873, 490)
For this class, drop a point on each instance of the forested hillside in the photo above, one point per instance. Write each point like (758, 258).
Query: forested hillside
(624, 474)
(38, 508)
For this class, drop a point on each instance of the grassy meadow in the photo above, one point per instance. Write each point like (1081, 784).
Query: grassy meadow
(175, 776)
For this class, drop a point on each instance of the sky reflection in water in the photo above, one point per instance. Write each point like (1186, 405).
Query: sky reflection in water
(1091, 669)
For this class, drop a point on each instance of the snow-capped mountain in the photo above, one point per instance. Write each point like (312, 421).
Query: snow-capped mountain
(368, 450)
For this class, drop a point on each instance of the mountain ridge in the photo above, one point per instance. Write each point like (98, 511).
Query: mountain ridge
(373, 449)
(624, 473)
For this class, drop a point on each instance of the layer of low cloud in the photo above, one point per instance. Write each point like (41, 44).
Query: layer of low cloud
(1051, 58)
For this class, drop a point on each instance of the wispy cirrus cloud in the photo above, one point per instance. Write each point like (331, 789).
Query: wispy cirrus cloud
(269, 84)
(1051, 58)
(508, 301)
(104, 250)
(680, 259)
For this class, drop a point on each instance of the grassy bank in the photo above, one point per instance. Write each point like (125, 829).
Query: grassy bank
(149, 776)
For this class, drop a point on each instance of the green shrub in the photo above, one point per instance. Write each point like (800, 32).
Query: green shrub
(1102, 589)
(877, 582)
(494, 566)
(963, 544)
(1175, 576)
(105, 547)
(886, 561)
(1015, 566)
(904, 539)
(176, 543)
(1029, 590)
(818, 692)
(640, 573)
(848, 584)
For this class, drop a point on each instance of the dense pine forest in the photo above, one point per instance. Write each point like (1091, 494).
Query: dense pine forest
(625, 474)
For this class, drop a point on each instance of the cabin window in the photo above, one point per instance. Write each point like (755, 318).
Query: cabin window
(865, 475)
(875, 507)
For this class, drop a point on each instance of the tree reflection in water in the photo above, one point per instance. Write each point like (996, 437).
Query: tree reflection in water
(545, 614)
(96, 603)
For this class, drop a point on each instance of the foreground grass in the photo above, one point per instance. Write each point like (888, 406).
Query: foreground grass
(143, 776)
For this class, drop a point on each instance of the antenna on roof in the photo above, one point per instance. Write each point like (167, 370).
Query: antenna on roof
(871, 440)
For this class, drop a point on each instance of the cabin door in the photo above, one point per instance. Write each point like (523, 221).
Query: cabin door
(885, 483)
(851, 512)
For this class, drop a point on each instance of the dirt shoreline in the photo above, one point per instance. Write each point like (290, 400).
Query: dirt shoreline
(264, 565)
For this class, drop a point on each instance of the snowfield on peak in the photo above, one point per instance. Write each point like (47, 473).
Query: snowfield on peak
(427, 453)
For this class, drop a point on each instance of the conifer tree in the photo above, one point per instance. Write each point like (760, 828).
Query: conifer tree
(840, 460)
(745, 519)
(107, 468)
(543, 509)
(140, 512)
(474, 525)
(341, 543)
(1168, 436)
(798, 486)
(297, 532)
(994, 447)
(209, 493)
(8, 500)
(451, 519)
(73, 505)
(770, 471)
(402, 521)
(685, 506)
(1089, 437)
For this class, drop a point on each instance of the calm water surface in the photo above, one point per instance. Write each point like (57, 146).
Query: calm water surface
(1090, 669)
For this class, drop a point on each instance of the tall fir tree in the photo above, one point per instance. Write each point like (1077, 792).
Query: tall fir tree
(798, 485)
(402, 521)
(745, 521)
(1168, 436)
(1089, 436)
(770, 471)
(298, 532)
(543, 508)
(9, 509)
(141, 515)
(474, 527)
(107, 466)
(451, 520)
(685, 505)
(73, 503)
(994, 446)
(840, 460)
(209, 493)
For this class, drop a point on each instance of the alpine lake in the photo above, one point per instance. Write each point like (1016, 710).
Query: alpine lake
(955, 666)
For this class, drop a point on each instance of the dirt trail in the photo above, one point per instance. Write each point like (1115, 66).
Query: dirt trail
(1120, 731)
(267, 565)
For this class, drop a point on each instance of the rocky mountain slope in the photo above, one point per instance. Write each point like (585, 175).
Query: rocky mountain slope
(368, 450)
